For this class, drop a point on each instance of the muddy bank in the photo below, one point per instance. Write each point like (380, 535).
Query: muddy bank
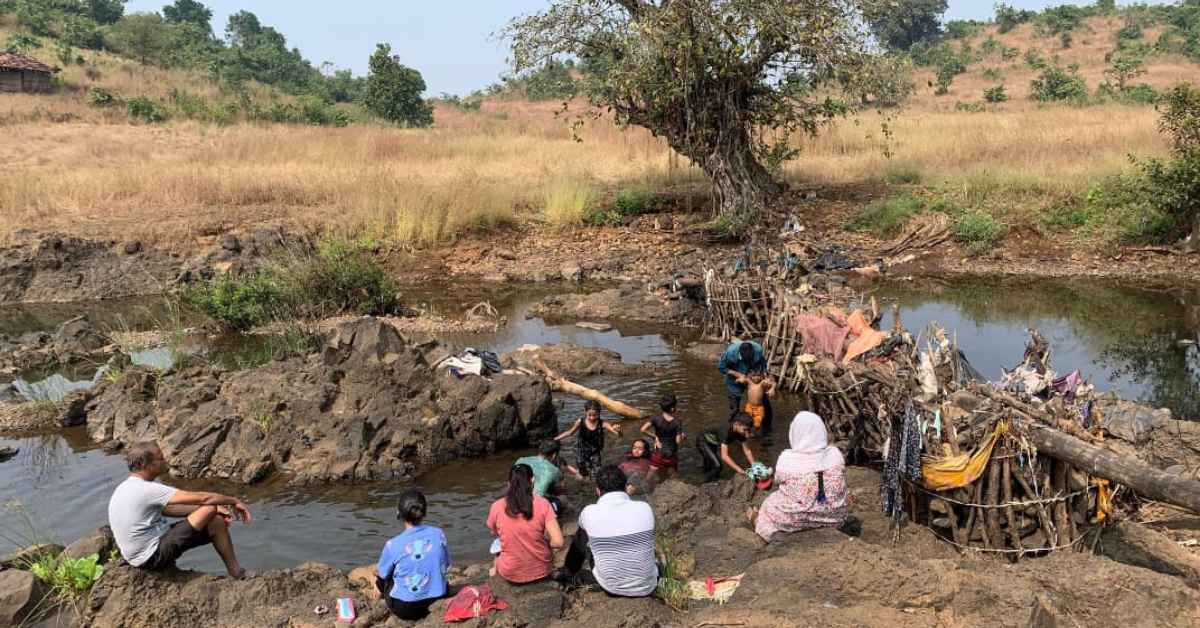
(630, 302)
(819, 577)
(367, 406)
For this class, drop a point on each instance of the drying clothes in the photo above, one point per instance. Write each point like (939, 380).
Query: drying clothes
(464, 363)
(1067, 385)
(866, 338)
(821, 336)
(902, 462)
(942, 474)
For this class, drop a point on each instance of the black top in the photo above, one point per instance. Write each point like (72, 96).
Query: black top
(732, 436)
(667, 433)
(589, 439)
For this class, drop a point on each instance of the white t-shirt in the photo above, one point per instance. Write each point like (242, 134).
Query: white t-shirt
(621, 536)
(135, 515)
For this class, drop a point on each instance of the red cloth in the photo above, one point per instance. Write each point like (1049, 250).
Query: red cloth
(659, 461)
(472, 602)
(821, 336)
(525, 553)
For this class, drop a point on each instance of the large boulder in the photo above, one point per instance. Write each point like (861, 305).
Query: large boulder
(53, 267)
(21, 596)
(78, 335)
(367, 406)
(679, 507)
(99, 542)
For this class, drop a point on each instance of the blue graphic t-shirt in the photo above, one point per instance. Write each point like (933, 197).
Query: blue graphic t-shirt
(416, 560)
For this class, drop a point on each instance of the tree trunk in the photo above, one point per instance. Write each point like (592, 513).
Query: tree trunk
(743, 186)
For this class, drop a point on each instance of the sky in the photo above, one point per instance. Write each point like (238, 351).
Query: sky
(450, 42)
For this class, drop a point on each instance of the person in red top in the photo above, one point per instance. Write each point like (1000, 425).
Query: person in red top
(636, 466)
(527, 529)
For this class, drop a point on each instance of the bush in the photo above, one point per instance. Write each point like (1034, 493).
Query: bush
(978, 231)
(1035, 60)
(1122, 207)
(969, 107)
(100, 97)
(146, 110)
(993, 74)
(949, 69)
(633, 200)
(1008, 18)
(1056, 84)
(885, 218)
(902, 173)
(68, 578)
(566, 203)
(995, 94)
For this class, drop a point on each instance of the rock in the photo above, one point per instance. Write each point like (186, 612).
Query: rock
(629, 302)
(571, 360)
(8, 453)
(133, 247)
(21, 595)
(30, 554)
(1134, 544)
(99, 542)
(571, 272)
(474, 571)
(78, 335)
(363, 576)
(708, 352)
(745, 538)
(679, 507)
(529, 605)
(72, 410)
(601, 327)
(505, 254)
(48, 267)
(367, 406)
(230, 242)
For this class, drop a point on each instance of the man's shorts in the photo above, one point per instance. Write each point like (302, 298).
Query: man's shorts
(180, 537)
(659, 461)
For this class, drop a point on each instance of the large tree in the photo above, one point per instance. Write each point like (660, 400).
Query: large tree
(188, 12)
(726, 82)
(141, 35)
(394, 90)
(901, 23)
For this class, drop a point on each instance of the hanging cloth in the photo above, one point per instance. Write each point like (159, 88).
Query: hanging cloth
(940, 474)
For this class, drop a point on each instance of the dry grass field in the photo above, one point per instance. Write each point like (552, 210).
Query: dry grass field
(70, 167)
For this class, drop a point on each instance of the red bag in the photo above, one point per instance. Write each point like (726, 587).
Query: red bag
(472, 602)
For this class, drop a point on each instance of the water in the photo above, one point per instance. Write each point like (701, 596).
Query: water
(1125, 340)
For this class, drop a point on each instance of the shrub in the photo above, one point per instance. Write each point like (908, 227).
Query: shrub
(633, 200)
(993, 74)
(885, 218)
(236, 303)
(68, 578)
(100, 97)
(567, 202)
(1056, 84)
(995, 94)
(962, 29)
(1008, 18)
(1034, 59)
(902, 173)
(1122, 207)
(978, 231)
(949, 69)
(970, 107)
(146, 110)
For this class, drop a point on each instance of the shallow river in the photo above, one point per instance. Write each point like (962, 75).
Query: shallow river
(1135, 343)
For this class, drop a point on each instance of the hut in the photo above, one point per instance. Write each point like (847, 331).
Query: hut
(19, 73)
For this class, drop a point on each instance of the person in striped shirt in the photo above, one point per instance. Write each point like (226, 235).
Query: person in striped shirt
(616, 534)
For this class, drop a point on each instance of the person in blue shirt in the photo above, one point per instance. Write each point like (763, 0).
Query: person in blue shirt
(739, 360)
(411, 574)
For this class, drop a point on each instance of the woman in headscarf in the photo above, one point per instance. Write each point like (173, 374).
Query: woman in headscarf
(810, 477)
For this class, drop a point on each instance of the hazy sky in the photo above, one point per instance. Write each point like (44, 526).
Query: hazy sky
(449, 41)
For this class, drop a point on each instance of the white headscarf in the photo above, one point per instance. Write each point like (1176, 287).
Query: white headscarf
(810, 451)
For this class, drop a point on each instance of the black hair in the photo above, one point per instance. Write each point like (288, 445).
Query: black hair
(668, 402)
(746, 353)
(592, 405)
(550, 448)
(411, 506)
(646, 447)
(518, 499)
(610, 479)
(741, 418)
(141, 455)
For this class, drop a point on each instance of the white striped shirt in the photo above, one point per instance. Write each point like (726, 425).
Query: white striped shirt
(621, 536)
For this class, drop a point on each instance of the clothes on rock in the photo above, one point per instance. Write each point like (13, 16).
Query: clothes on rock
(810, 479)
(472, 361)
(525, 554)
(902, 461)
(546, 474)
(472, 602)
(589, 444)
(865, 337)
(415, 561)
(821, 336)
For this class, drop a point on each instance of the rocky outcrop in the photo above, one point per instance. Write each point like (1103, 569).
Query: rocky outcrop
(367, 406)
(21, 596)
(52, 267)
(571, 360)
(74, 343)
(630, 302)
(100, 543)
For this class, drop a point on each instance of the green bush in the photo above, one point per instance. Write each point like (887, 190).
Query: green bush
(1008, 18)
(239, 303)
(978, 231)
(902, 173)
(993, 74)
(1055, 84)
(1123, 207)
(995, 94)
(1035, 60)
(100, 97)
(68, 578)
(885, 218)
(629, 201)
(146, 110)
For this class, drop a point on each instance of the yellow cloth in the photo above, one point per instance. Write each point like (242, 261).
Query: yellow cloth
(756, 412)
(1103, 499)
(940, 474)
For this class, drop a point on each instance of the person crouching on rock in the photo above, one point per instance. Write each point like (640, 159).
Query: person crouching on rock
(411, 574)
(527, 529)
(716, 448)
(546, 472)
(636, 466)
(616, 534)
(668, 434)
(589, 439)
(810, 477)
(139, 505)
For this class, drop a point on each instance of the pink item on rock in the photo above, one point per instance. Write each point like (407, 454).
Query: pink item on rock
(472, 602)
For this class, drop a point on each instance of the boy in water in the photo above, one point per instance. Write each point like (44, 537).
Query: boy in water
(589, 439)
(668, 434)
(759, 386)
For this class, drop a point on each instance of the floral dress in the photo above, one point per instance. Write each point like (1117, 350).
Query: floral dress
(794, 506)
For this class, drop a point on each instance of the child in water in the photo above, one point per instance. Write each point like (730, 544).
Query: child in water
(759, 386)
(668, 434)
(589, 443)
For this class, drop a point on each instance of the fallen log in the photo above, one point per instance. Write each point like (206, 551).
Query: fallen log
(1146, 481)
(561, 384)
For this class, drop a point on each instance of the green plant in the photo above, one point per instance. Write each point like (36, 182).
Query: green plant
(100, 97)
(566, 202)
(672, 586)
(1008, 18)
(1035, 60)
(22, 42)
(885, 218)
(633, 200)
(1056, 84)
(394, 90)
(68, 578)
(237, 303)
(949, 69)
(993, 74)
(970, 107)
(996, 94)
(902, 172)
(146, 110)
(978, 231)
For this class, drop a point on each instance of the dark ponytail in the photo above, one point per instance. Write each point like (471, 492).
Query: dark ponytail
(518, 500)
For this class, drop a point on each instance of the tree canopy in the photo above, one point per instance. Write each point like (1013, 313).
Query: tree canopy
(188, 12)
(726, 82)
(901, 23)
(394, 90)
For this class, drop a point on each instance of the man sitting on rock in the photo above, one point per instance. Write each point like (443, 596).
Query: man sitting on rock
(617, 534)
(138, 505)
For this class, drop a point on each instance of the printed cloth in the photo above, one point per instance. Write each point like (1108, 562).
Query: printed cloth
(416, 561)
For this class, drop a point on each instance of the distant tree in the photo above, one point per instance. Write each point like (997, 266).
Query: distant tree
(342, 85)
(394, 90)
(22, 43)
(82, 32)
(188, 12)
(902, 23)
(140, 35)
(708, 76)
(1008, 18)
(105, 11)
(551, 81)
(242, 27)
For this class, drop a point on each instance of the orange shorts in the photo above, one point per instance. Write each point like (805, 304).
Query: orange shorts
(756, 412)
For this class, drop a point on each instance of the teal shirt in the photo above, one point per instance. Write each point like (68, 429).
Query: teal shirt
(545, 474)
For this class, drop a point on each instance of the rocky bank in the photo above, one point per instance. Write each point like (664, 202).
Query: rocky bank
(367, 406)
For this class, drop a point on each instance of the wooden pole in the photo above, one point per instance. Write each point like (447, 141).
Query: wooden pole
(1014, 532)
(560, 384)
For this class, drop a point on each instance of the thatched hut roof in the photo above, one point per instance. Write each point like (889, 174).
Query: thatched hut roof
(15, 61)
